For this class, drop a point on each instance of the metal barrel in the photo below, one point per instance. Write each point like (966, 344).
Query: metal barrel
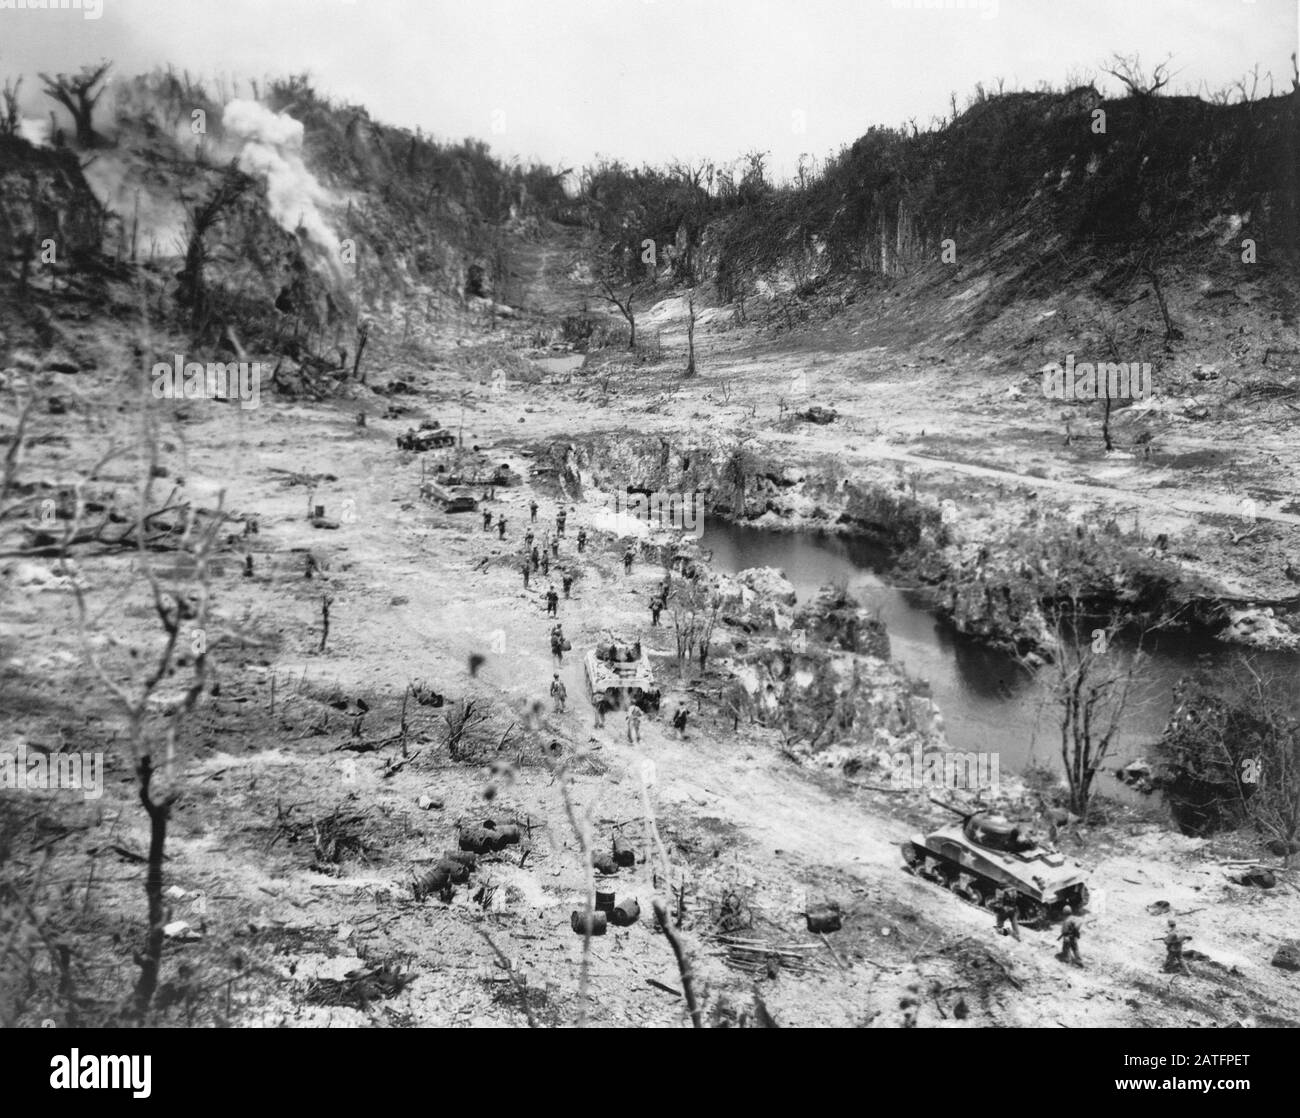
(578, 921)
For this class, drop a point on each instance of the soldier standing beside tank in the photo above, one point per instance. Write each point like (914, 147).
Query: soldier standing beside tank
(1071, 929)
(1006, 904)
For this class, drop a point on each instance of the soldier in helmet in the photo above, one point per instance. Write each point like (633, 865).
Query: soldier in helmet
(1174, 961)
(1071, 929)
(1006, 904)
(910, 1004)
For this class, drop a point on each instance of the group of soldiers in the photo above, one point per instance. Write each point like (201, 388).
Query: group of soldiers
(1005, 906)
(537, 559)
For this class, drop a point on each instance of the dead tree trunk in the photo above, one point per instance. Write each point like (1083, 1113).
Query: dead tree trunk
(151, 960)
(690, 335)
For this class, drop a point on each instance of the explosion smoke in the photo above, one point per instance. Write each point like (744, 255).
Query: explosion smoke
(272, 151)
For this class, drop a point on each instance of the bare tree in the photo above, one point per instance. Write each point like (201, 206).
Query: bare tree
(1091, 684)
(1129, 70)
(690, 333)
(77, 93)
(624, 304)
(695, 613)
(1232, 752)
(183, 617)
(10, 116)
(193, 290)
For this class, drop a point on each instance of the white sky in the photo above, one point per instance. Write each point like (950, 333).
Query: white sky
(656, 79)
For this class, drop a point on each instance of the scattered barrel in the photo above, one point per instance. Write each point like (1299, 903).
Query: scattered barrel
(437, 880)
(603, 863)
(457, 871)
(508, 835)
(478, 840)
(626, 912)
(604, 902)
(578, 921)
(464, 857)
(624, 852)
(824, 918)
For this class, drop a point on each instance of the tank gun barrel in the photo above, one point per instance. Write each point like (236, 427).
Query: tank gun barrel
(955, 810)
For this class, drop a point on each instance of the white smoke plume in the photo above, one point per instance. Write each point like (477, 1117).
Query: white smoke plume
(34, 131)
(272, 151)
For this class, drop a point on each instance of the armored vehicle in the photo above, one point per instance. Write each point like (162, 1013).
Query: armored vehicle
(985, 852)
(619, 671)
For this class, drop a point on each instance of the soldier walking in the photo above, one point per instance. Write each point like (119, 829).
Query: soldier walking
(560, 518)
(501, 527)
(558, 692)
(487, 519)
(1174, 961)
(910, 1004)
(582, 540)
(546, 565)
(627, 561)
(557, 645)
(634, 725)
(527, 571)
(567, 582)
(528, 538)
(555, 547)
(656, 608)
(679, 722)
(532, 510)
(1071, 929)
(537, 559)
(1006, 904)
(552, 602)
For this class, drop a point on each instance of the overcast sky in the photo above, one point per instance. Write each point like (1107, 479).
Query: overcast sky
(642, 80)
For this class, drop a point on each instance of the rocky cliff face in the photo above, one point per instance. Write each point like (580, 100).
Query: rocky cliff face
(45, 197)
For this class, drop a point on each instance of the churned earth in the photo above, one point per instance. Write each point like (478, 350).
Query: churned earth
(301, 744)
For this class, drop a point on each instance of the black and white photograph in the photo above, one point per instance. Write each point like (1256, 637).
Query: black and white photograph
(651, 514)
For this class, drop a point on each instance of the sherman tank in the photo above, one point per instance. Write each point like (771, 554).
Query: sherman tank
(619, 671)
(985, 852)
